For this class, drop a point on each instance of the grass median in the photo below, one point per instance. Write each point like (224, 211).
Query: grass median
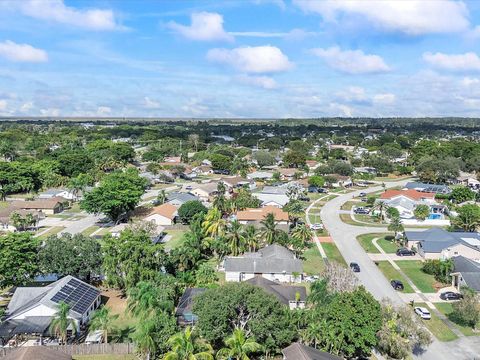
(437, 327)
(392, 274)
(413, 269)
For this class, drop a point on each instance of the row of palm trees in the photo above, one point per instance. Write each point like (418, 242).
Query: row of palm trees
(187, 345)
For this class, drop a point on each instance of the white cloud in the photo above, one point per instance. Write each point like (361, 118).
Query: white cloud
(204, 26)
(467, 81)
(104, 110)
(3, 105)
(354, 95)
(384, 99)
(22, 52)
(26, 107)
(341, 110)
(150, 103)
(351, 61)
(259, 59)
(413, 17)
(57, 11)
(259, 81)
(50, 112)
(453, 62)
(280, 3)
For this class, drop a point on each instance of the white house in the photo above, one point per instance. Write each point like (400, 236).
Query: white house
(273, 262)
(164, 214)
(32, 309)
(272, 196)
(53, 193)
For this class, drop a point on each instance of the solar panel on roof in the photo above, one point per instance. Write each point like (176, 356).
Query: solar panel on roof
(77, 294)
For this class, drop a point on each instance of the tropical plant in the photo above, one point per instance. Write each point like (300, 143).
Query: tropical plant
(187, 345)
(214, 224)
(62, 322)
(295, 209)
(303, 234)
(103, 320)
(251, 238)
(238, 346)
(235, 238)
(421, 212)
(395, 225)
(146, 298)
(269, 232)
(468, 218)
(161, 197)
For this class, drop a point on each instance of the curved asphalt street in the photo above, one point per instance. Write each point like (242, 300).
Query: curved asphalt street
(344, 236)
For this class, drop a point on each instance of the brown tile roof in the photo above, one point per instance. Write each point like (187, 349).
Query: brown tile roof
(167, 210)
(289, 171)
(411, 194)
(51, 203)
(259, 214)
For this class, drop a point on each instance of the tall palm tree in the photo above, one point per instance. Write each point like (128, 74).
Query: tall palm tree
(312, 334)
(235, 238)
(251, 239)
(61, 322)
(238, 346)
(187, 346)
(269, 232)
(381, 207)
(295, 209)
(214, 224)
(161, 197)
(395, 225)
(220, 202)
(303, 234)
(144, 337)
(146, 298)
(103, 320)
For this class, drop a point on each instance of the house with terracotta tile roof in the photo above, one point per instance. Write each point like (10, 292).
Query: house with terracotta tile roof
(255, 216)
(405, 201)
(164, 214)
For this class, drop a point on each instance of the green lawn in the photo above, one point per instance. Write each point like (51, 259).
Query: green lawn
(365, 241)
(413, 269)
(313, 263)
(437, 327)
(387, 244)
(446, 309)
(176, 240)
(52, 231)
(346, 218)
(392, 274)
(90, 230)
(333, 254)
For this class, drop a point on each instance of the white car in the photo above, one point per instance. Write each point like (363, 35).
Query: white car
(423, 313)
(316, 226)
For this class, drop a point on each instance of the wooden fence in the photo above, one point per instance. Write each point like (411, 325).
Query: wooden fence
(84, 349)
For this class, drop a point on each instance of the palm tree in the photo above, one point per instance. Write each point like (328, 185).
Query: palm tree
(187, 346)
(235, 238)
(312, 334)
(395, 225)
(238, 346)
(61, 322)
(220, 202)
(161, 197)
(103, 320)
(295, 209)
(251, 239)
(269, 231)
(214, 225)
(381, 207)
(144, 337)
(146, 298)
(303, 234)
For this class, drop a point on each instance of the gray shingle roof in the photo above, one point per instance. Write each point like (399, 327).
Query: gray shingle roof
(436, 239)
(470, 271)
(283, 293)
(183, 197)
(270, 259)
(298, 351)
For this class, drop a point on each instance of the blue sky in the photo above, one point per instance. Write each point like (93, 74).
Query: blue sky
(239, 58)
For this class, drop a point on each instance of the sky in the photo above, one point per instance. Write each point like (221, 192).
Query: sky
(239, 58)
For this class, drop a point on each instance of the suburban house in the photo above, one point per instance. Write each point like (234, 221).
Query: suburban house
(365, 170)
(173, 160)
(437, 243)
(204, 191)
(340, 180)
(6, 223)
(260, 175)
(273, 262)
(289, 173)
(292, 296)
(469, 180)
(252, 216)
(203, 170)
(424, 187)
(312, 164)
(164, 214)
(298, 351)
(52, 193)
(184, 313)
(178, 199)
(273, 196)
(32, 309)
(47, 206)
(466, 273)
(236, 182)
(405, 201)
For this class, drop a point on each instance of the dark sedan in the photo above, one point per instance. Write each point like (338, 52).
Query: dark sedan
(355, 267)
(397, 284)
(450, 295)
(405, 252)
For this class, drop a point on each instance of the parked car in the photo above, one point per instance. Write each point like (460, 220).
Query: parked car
(313, 189)
(450, 295)
(423, 313)
(355, 267)
(397, 284)
(362, 194)
(304, 198)
(316, 226)
(405, 252)
(361, 210)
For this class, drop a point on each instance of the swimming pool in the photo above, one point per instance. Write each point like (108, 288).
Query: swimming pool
(435, 216)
